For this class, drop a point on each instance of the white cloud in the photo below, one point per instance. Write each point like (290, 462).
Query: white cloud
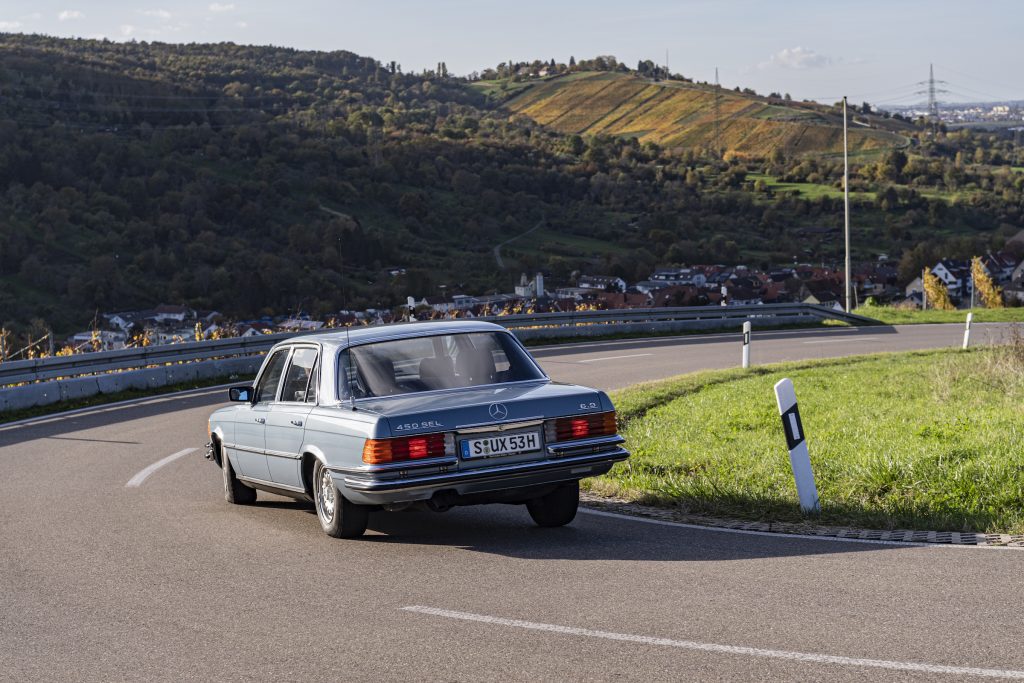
(161, 14)
(242, 24)
(9, 25)
(796, 58)
(127, 29)
(218, 7)
(69, 14)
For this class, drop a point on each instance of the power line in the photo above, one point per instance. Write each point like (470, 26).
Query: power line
(976, 78)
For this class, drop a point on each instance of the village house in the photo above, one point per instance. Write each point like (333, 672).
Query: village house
(604, 283)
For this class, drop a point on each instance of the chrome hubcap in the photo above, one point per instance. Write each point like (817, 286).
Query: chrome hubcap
(325, 496)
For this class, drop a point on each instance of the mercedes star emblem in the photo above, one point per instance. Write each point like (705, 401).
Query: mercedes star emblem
(497, 411)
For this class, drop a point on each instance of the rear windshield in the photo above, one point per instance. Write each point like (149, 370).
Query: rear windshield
(407, 366)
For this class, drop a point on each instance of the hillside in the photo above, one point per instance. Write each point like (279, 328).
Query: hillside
(268, 181)
(676, 114)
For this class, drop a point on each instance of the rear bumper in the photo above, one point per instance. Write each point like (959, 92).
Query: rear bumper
(367, 489)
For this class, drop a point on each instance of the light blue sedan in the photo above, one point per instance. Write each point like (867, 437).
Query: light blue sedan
(427, 414)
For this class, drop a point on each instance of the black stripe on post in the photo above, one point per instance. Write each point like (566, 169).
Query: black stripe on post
(793, 427)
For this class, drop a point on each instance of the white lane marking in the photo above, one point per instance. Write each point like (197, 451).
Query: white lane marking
(721, 649)
(144, 474)
(599, 360)
(836, 341)
(782, 536)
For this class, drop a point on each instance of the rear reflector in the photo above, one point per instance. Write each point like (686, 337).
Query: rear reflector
(581, 427)
(379, 451)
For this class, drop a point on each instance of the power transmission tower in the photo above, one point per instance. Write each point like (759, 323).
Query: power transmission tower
(933, 104)
(718, 116)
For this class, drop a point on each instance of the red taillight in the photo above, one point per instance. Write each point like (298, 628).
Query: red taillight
(378, 451)
(582, 426)
(418, 448)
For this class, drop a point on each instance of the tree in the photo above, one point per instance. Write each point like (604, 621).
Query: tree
(991, 296)
(938, 295)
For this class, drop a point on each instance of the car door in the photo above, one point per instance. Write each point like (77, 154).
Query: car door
(287, 417)
(251, 424)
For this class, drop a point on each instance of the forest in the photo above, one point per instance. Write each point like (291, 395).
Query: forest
(266, 181)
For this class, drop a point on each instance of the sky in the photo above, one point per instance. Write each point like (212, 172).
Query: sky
(870, 50)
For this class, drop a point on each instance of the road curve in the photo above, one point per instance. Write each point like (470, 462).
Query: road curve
(163, 580)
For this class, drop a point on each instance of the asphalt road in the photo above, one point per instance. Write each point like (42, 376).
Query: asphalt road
(166, 581)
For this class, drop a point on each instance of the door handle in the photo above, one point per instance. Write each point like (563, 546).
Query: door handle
(297, 423)
(261, 420)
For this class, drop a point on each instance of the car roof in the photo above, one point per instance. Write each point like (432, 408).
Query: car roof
(361, 335)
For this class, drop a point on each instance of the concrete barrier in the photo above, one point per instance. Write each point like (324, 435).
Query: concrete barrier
(48, 393)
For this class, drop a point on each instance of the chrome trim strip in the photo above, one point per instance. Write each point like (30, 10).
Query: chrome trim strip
(395, 466)
(235, 446)
(283, 454)
(478, 427)
(272, 484)
(483, 474)
(280, 454)
(581, 444)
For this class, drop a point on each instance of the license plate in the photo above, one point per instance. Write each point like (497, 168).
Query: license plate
(506, 444)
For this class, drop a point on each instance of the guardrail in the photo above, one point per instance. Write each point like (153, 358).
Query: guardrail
(48, 380)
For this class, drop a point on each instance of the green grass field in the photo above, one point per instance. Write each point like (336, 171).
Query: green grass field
(910, 316)
(927, 440)
(806, 190)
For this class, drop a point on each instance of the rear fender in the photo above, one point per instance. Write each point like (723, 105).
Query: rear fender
(310, 454)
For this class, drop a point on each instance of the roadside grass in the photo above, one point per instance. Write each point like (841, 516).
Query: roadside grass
(923, 440)
(891, 315)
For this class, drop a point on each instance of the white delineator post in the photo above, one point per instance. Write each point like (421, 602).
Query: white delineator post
(799, 459)
(746, 344)
(967, 330)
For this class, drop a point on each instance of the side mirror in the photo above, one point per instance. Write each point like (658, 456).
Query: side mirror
(241, 394)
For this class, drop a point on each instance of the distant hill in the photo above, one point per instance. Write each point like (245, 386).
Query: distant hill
(677, 114)
(265, 180)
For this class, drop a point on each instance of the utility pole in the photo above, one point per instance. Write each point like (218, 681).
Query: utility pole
(846, 202)
(718, 116)
(933, 104)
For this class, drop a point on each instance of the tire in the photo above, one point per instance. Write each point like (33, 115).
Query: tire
(339, 517)
(235, 492)
(557, 508)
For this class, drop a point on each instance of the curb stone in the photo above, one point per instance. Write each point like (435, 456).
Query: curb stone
(626, 507)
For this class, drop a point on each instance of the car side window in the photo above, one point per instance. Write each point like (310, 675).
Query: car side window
(296, 380)
(314, 382)
(266, 390)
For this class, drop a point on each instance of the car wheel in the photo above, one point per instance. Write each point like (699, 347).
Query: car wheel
(557, 508)
(235, 491)
(338, 516)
